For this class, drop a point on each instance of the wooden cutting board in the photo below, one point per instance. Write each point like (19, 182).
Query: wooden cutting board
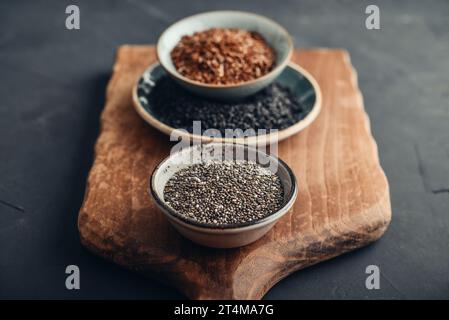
(343, 200)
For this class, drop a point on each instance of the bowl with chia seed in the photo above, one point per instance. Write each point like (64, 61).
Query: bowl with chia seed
(287, 106)
(223, 195)
(224, 54)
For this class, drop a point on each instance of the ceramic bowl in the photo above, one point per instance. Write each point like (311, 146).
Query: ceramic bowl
(276, 36)
(298, 80)
(226, 236)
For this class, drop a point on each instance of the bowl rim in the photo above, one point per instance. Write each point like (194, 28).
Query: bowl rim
(277, 68)
(235, 227)
(257, 139)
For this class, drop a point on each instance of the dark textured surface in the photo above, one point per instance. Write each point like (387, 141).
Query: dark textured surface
(52, 91)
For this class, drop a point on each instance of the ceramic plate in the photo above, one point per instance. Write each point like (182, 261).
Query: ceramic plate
(298, 80)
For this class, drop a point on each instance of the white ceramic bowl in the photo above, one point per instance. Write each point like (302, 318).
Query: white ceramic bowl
(228, 236)
(276, 36)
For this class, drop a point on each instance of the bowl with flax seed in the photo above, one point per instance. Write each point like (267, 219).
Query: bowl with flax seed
(225, 55)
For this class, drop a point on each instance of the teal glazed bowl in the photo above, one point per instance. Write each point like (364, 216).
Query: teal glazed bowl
(276, 36)
(300, 82)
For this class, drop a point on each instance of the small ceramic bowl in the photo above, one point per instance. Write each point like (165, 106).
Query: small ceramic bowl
(223, 236)
(276, 36)
(298, 80)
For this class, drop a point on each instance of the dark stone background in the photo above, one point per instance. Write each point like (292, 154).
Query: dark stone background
(52, 84)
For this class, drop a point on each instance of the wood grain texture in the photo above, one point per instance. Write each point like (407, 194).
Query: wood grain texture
(343, 200)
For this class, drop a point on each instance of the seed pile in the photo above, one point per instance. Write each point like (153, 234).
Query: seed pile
(223, 56)
(275, 107)
(222, 193)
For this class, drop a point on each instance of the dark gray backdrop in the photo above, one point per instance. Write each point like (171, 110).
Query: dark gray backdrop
(52, 84)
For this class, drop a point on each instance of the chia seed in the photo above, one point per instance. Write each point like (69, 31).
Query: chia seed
(275, 107)
(223, 193)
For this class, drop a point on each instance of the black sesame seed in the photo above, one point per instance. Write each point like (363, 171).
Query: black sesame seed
(275, 107)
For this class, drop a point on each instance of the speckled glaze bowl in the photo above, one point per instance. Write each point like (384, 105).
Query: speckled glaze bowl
(226, 236)
(276, 36)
